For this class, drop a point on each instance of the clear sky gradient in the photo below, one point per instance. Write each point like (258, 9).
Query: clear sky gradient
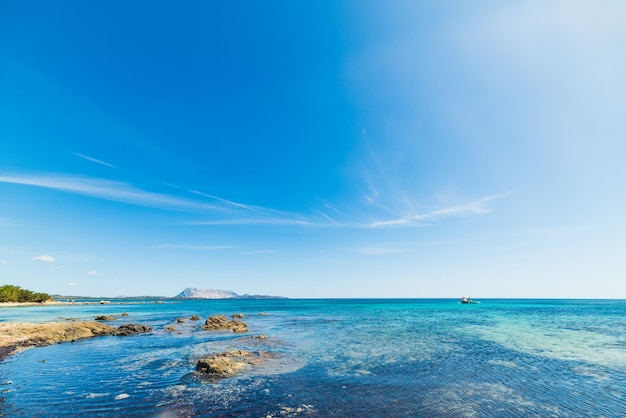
(314, 148)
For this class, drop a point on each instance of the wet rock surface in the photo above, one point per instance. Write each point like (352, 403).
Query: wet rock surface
(15, 336)
(131, 329)
(221, 323)
(229, 363)
(105, 318)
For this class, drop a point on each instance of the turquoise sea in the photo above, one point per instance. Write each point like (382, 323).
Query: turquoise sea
(335, 358)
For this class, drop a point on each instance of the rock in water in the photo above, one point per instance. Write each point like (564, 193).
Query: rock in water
(105, 318)
(220, 322)
(229, 363)
(131, 329)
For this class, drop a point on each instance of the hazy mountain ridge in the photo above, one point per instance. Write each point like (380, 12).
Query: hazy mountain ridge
(195, 293)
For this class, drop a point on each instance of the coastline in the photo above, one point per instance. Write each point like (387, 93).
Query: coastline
(17, 336)
(19, 304)
(70, 303)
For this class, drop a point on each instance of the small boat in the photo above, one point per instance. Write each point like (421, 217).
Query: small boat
(467, 300)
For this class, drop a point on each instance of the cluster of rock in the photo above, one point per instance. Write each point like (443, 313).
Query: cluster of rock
(108, 317)
(131, 329)
(228, 363)
(220, 322)
(14, 336)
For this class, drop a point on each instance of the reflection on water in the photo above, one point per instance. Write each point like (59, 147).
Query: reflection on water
(335, 358)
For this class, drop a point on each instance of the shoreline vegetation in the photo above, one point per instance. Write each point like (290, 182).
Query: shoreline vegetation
(11, 293)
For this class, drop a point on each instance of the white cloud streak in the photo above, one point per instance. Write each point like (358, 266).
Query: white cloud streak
(477, 207)
(379, 251)
(197, 247)
(45, 258)
(94, 160)
(107, 190)
(92, 273)
(225, 212)
(260, 252)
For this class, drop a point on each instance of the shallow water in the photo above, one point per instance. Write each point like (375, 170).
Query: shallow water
(335, 358)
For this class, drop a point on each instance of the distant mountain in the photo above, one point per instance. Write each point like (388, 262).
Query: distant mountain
(193, 293)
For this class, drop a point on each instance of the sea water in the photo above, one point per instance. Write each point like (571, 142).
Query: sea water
(333, 358)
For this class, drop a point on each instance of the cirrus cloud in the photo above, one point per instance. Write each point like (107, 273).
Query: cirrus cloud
(44, 258)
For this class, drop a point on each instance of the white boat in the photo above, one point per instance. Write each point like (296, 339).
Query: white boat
(467, 299)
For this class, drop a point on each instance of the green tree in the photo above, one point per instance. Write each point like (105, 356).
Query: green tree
(11, 293)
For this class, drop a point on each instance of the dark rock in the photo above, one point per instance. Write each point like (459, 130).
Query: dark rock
(170, 328)
(263, 314)
(195, 318)
(260, 337)
(105, 318)
(229, 363)
(220, 322)
(237, 316)
(180, 320)
(125, 314)
(131, 329)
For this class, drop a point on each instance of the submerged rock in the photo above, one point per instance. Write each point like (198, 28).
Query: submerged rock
(228, 363)
(131, 329)
(237, 316)
(195, 318)
(180, 320)
(220, 322)
(105, 318)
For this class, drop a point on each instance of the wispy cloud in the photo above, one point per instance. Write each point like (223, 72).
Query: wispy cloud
(94, 160)
(108, 190)
(197, 247)
(45, 258)
(226, 212)
(261, 252)
(379, 251)
(477, 207)
(92, 273)
(3, 263)
(226, 201)
(72, 284)
(268, 222)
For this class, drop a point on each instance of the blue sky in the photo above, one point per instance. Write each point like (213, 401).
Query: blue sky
(314, 149)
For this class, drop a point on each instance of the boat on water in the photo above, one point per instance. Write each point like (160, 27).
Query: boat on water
(467, 300)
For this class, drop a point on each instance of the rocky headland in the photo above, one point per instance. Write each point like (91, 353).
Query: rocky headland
(16, 336)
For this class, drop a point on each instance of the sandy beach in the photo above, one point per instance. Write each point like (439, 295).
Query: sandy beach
(70, 302)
